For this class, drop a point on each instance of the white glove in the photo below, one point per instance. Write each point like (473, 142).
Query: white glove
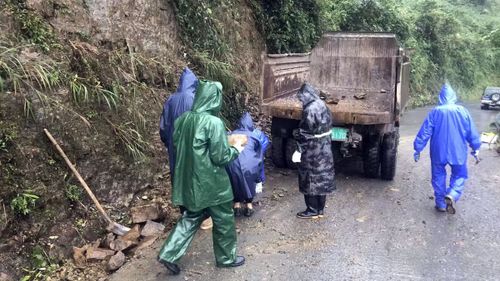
(239, 147)
(258, 188)
(296, 157)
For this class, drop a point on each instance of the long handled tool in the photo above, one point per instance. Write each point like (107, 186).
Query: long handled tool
(114, 227)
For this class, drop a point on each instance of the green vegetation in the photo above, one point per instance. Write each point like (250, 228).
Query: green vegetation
(132, 140)
(74, 193)
(42, 266)
(290, 25)
(454, 40)
(23, 204)
(33, 28)
(212, 47)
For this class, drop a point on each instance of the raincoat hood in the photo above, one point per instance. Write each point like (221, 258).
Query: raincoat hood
(307, 94)
(208, 97)
(246, 122)
(447, 95)
(187, 82)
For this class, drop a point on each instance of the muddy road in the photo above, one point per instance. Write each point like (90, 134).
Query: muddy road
(373, 229)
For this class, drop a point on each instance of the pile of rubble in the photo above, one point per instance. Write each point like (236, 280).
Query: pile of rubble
(113, 249)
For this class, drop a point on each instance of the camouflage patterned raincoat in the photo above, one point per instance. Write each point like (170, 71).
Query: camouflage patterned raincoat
(316, 169)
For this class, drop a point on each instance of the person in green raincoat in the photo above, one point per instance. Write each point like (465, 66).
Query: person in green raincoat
(201, 184)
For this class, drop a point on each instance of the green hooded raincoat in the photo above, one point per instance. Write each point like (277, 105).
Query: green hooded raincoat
(202, 151)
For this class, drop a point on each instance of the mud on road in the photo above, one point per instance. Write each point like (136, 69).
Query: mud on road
(373, 229)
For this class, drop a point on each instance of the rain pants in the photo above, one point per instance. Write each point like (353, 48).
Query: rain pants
(201, 184)
(245, 171)
(178, 103)
(449, 127)
(264, 142)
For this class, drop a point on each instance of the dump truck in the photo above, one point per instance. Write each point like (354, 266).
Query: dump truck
(364, 80)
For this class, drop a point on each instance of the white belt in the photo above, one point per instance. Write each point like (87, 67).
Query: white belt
(322, 135)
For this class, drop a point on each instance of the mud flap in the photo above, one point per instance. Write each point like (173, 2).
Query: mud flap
(371, 156)
(388, 155)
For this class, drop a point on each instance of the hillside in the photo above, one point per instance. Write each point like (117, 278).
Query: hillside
(96, 73)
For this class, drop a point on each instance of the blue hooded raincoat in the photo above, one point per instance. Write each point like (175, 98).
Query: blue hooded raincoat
(264, 142)
(245, 171)
(449, 127)
(178, 103)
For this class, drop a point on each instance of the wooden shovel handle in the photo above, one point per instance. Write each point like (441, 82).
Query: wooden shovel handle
(73, 169)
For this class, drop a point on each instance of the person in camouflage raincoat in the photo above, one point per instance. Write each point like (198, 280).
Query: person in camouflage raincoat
(316, 167)
(201, 184)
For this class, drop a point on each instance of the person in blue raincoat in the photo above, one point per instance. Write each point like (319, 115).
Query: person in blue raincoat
(178, 103)
(449, 127)
(245, 171)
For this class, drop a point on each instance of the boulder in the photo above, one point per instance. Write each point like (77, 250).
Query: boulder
(116, 261)
(133, 234)
(144, 213)
(121, 245)
(99, 253)
(152, 229)
(107, 241)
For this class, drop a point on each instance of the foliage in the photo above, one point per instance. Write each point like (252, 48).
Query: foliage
(23, 204)
(200, 27)
(290, 26)
(30, 73)
(364, 16)
(6, 139)
(74, 193)
(42, 266)
(454, 40)
(205, 28)
(131, 139)
(32, 26)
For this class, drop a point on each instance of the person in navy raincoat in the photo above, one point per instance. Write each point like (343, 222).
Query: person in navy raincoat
(245, 171)
(449, 128)
(264, 142)
(178, 103)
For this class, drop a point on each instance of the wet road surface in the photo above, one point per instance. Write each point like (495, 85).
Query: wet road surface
(373, 229)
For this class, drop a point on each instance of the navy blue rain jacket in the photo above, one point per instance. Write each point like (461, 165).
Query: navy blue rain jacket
(245, 171)
(264, 142)
(449, 127)
(178, 103)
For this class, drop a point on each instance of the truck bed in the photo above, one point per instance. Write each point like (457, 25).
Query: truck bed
(347, 106)
(362, 76)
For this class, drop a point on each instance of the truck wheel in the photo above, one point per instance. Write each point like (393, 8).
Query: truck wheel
(277, 152)
(371, 157)
(291, 146)
(485, 106)
(388, 156)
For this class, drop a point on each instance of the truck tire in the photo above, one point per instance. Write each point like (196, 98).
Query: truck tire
(388, 155)
(278, 152)
(291, 146)
(371, 156)
(485, 106)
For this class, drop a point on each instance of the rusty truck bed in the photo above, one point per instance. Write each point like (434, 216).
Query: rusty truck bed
(345, 110)
(359, 76)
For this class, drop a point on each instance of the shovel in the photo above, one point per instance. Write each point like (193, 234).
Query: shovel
(114, 227)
